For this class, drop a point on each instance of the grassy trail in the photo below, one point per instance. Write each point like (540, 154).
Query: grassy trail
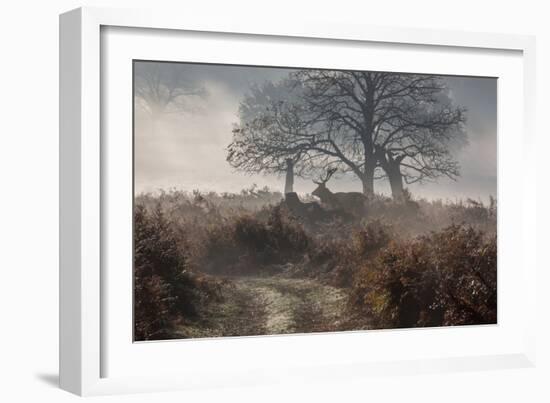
(270, 305)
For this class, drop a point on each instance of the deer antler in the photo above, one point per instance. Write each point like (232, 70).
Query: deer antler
(330, 172)
(324, 179)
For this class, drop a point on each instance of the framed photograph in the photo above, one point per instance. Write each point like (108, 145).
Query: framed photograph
(243, 203)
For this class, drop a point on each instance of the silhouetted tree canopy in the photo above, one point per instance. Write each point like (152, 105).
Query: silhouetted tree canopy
(361, 122)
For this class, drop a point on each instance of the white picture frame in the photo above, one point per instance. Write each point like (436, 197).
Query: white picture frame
(83, 178)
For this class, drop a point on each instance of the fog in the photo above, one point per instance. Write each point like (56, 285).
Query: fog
(186, 148)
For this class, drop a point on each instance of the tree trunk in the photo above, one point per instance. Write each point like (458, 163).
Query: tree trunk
(396, 182)
(289, 180)
(368, 179)
(392, 166)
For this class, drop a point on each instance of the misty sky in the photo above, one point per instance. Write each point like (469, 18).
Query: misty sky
(185, 148)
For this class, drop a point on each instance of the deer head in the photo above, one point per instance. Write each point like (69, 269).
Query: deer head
(321, 191)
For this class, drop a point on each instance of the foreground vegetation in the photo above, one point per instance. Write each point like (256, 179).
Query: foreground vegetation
(238, 264)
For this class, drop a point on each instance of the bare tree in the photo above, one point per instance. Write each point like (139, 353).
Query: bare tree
(276, 134)
(355, 121)
(163, 88)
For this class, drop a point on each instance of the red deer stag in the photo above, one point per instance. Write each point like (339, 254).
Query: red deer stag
(351, 202)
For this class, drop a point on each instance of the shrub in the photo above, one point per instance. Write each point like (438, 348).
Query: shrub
(287, 237)
(336, 260)
(248, 243)
(415, 217)
(371, 238)
(365, 244)
(163, 288)
(446, 278)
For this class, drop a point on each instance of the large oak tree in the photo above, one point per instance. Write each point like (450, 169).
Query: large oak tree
(404, 124)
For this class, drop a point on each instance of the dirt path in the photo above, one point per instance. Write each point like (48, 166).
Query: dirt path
(271, 305)
(294, 305)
